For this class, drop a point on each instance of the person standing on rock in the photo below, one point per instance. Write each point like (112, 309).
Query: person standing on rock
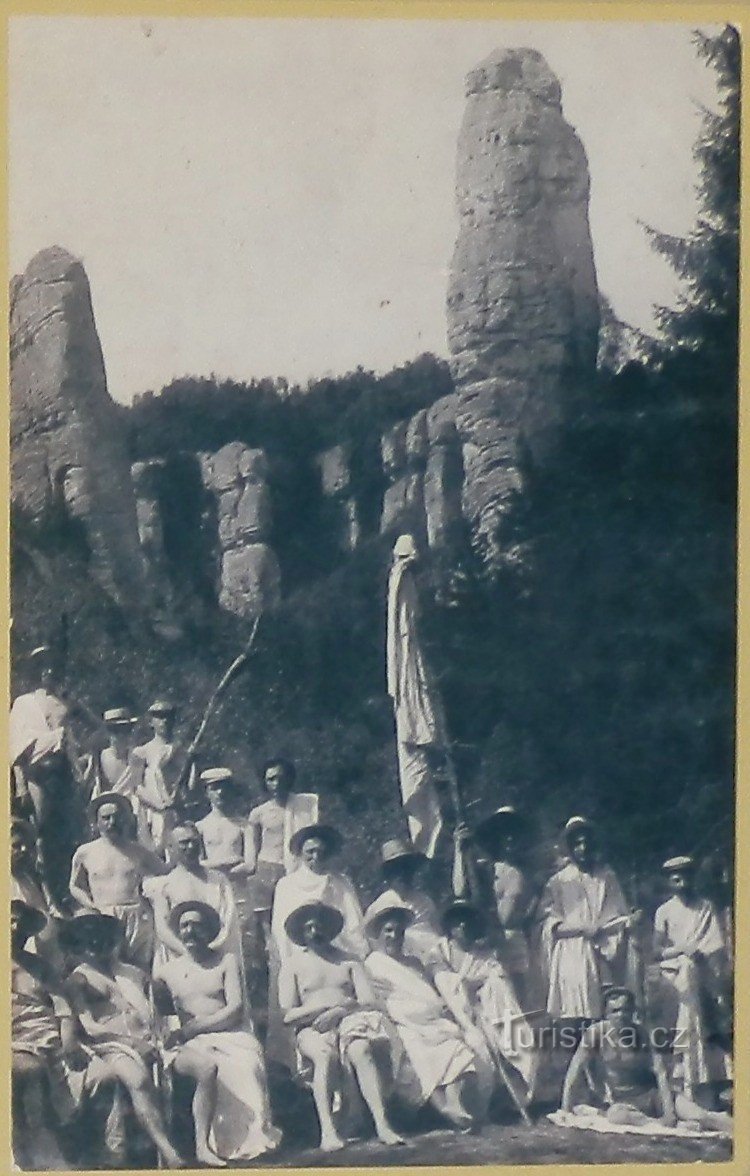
(43, 759)
(159, 766)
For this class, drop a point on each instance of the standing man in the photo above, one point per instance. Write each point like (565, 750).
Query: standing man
(585, 920)
(107, 876)
(694, 977)
(42, 758)
(159, 765)
(419, 727)
(111, 768)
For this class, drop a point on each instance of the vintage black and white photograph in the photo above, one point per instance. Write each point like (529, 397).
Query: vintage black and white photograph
(374, 406)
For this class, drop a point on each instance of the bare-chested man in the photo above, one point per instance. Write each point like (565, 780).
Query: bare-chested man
(111, 769)
(214, 1044)
(159, 765)
(328, 1000)
(189, 880)
(107, 875)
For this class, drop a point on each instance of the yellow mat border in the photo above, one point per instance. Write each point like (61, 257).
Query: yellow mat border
(709, 11)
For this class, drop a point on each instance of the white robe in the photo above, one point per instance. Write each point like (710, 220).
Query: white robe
(37, 725)
(577, 967)
(418, 720)
(433, 1043)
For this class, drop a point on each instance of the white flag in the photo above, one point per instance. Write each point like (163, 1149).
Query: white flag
(416, 708)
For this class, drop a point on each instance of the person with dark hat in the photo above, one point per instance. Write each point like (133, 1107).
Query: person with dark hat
(314, 881)
(107, 875)
(476, 987)
(692, 977)
(585, 924)
(401, 866)
(328, 1001)
(111, 1003)
(214, 1044)
(159, 764)
(447, 1064)
(44, 759)
(111, 768)
(636, 1087)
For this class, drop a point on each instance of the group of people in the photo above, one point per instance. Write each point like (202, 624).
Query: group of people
(157, 941)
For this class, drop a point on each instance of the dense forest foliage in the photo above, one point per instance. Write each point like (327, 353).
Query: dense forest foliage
(593, 673)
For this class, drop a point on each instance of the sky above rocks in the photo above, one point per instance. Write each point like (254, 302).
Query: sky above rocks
(276, 197)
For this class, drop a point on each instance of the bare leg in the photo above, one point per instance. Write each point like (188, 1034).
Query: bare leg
(448, 1100)
(34, 1142)
(685, 1108)
(368, 1079)
(313, 1046)
(204, 1075)
(134, 1078)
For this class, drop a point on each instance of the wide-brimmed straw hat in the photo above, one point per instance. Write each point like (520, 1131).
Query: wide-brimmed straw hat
(116, 798)
(331, 838)
(33, 918)
(330, 919)
(489, 831)
(74, 933)
(462, 911)
(209, 914)
(384, 907)
(576, 825)
(119, 716)
(398, 850)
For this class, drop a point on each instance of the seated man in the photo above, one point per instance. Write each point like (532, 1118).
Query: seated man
(41, 1040)
(479, 992)
(448, 1065)
(107, 875)
(214, 1044)
(692, 975)
(636, 1085)
(113, 1010)
(327, 998)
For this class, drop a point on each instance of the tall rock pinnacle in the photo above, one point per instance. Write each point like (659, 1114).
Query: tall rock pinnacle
(523, 306)
(68, 449)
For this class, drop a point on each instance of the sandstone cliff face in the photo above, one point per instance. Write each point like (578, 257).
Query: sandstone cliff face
(423, 467)
(523, 309)
(334, 468)
(67, 447)
(249, 575)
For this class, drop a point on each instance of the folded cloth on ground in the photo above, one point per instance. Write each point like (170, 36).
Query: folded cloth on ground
(588, 1118)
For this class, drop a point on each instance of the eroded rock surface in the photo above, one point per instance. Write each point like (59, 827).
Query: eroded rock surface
(68, 448)
(523, 307)
(249, 577)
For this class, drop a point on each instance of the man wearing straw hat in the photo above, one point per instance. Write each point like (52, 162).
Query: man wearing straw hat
(692, 976)
(327, 999)
(158, 765)
(111, 769)
(444, 1064)
(214, 1044)
(585, 920)
(107, 875)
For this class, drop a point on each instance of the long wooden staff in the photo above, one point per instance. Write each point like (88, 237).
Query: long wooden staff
(231, 671)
